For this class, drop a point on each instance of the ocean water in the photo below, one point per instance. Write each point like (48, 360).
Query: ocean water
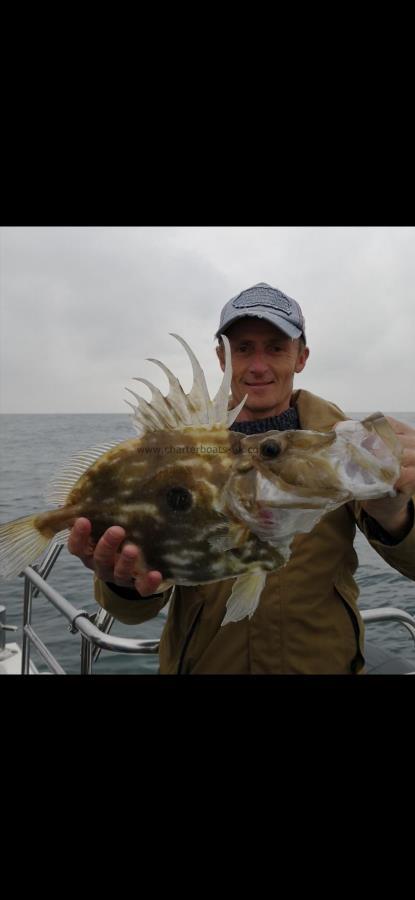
(33, 446)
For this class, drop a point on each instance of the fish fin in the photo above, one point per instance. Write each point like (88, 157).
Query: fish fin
(164, 586)
(62, 536)
(177, 409)
(20, 544)
(373, 417)
(227, 538)
(378, 422)
(245, 595)
(67, 475)
(221, 400)
(221, 542)
(234, 413)
(198, 399)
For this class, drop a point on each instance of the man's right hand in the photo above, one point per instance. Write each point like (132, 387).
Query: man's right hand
(123, 567)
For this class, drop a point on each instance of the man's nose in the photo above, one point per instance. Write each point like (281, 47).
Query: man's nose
(258, 363)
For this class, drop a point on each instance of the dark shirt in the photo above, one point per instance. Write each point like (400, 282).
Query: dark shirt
(286, 421)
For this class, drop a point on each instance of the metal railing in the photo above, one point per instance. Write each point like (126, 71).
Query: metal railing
(389, 614)
(93, 628)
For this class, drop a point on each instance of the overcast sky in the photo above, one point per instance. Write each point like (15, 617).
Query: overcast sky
(82, 308)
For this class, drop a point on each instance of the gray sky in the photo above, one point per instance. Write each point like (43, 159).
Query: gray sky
(82, 308)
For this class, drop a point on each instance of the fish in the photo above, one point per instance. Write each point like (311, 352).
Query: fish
(283, 482)
(203, 502)
(163, 487)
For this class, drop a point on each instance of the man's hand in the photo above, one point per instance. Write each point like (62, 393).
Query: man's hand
(392, 512)
(123, 567)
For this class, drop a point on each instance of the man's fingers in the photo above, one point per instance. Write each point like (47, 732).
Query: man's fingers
(105, 554)
(406, 436)
(406, 481)
(399, 427)
(147, 584)
(127, 565)
(124, 567)
(79, 539)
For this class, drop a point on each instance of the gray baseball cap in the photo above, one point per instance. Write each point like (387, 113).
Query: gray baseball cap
(264, 302)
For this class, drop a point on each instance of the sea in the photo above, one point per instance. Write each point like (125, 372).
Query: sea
(32, 447)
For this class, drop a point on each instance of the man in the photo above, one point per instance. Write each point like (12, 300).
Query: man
(307, 621)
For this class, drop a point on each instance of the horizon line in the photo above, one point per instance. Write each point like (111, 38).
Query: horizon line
(94, 413)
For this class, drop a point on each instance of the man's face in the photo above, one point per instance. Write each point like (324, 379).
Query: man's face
(264, 361)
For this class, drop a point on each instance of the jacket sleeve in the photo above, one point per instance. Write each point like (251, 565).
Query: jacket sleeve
(126, 605)
(398, 554)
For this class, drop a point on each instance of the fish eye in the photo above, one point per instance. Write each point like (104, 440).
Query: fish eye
(179, 499)
(270, 449)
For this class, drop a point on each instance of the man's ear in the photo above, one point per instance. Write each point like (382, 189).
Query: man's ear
(221, 356)
(302, 359)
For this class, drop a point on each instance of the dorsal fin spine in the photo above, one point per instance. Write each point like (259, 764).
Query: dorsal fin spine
(177, 410)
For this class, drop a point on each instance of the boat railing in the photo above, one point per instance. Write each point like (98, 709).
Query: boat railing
(94, 627)
(389, 614)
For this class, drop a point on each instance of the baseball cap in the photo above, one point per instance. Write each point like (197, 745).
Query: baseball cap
(264, 302)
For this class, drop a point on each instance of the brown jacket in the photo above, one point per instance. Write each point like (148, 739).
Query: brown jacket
(307, 621)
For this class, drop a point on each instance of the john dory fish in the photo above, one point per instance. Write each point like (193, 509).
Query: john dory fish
(205, 503)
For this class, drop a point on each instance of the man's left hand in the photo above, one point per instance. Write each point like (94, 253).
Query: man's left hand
(392, 513)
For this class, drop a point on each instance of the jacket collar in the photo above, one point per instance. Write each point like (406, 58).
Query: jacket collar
(314, 413)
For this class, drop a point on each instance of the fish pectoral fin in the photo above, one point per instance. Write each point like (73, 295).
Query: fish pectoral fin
(378, 423)
(228, 537)
(245, 595)
(164, 586)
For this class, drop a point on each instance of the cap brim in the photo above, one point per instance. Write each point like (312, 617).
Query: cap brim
(277, 321)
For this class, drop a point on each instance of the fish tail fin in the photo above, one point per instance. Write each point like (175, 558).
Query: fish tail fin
(20, 544)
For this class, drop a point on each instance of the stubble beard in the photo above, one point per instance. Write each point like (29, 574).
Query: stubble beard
(258, 408)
